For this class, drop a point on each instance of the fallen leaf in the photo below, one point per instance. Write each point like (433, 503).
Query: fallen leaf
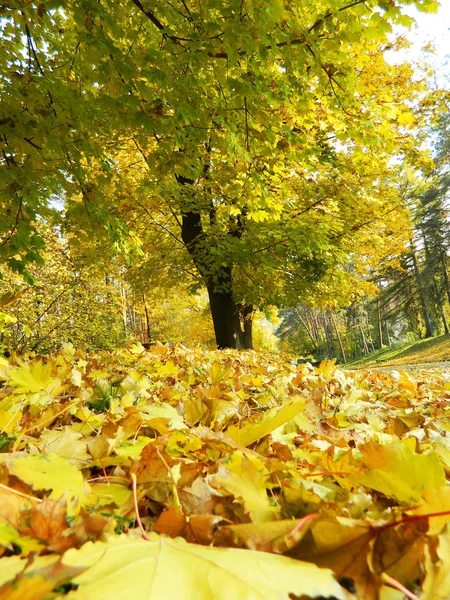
(51, 472)
(253, 432)
(35, 583)
(133, 568)
(240, 477)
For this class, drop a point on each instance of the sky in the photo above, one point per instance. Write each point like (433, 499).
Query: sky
(429, 27)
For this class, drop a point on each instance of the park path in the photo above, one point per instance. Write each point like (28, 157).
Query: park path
(443, 365)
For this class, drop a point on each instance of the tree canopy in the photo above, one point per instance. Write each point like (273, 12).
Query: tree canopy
(247, 144)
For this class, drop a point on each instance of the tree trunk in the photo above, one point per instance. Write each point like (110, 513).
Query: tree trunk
(329, 334)
(225, 319)
(339, 339)
(445, 273)
(363, 337)
(147, 320)
(388, 337)
(218, 281)
(320, 345)
(307, 329)
(246, 318)
(439, 299)
(380, 324)
(423, 302)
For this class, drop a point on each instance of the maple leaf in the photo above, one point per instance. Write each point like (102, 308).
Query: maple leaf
(33, 378)
(276, 536)
(163, 418)
(35, 583)
(66, 443)
(47, 522)
(127, 567)
(240, 476)
(51, 472)
(397, 471)
(276, 417)
(437, 581)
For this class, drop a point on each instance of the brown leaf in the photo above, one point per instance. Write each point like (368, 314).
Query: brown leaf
(47, 522)
(171, 522)
(151, 467)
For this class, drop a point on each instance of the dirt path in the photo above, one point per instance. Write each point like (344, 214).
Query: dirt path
(444, 365)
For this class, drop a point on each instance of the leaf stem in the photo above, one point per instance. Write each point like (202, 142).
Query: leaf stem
(136, 508)
(21, 494)
(50, 418)
(410, 518)
(175, 487)
(398, 586)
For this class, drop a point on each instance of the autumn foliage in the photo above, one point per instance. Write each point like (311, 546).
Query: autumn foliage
(180, 473)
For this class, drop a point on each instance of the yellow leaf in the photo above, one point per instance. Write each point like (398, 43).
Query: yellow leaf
(163, 568)
(406, 118)
(76, 378)
(169, 369)
(405, 381)
(50, 472)
(99, 447)
(163, 418)
(8, 535)
(240, 477)
(66, 443)
(9, 420)
(109, 493)
(437, 581)
(272, 420)
(326, 368)
(436, 501)
(32, 378)
(133, 448)
(398, 472)
(9, 298)
(35, 583)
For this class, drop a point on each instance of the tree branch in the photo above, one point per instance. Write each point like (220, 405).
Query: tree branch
(224, 55)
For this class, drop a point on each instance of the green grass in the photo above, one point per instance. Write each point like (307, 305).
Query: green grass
(429, 351)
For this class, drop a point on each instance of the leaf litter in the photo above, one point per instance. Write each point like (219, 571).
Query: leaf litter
(248, 475)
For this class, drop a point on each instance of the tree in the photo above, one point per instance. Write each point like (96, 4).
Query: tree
(73, 301)
(262, 132)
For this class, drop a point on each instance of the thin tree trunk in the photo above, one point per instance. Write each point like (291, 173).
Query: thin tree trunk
(307, 329)
(388, 338)
(147, 319)
(327, 336)
(426, 315)
(441, 307)
(339, 339)
(380, 324)
(369, 334)
(446, 278)
(365, 346)
(124, 309)
(316, 330)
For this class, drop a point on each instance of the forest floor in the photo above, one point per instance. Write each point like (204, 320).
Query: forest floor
(255, 476)
(434, 352)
